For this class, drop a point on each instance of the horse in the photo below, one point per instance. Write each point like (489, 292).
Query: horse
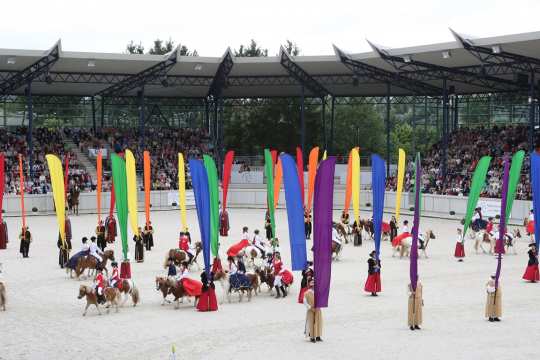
(254, 256)
(179, 256)
(90, 262)
(3, 298)
(405, 246)
(161, 285)
(222, 277)
(177, 290)
(342, 231)
(336, 250)
(509, 242)
(112, 297)
(128, 289)
(480, 237)
(266, 276)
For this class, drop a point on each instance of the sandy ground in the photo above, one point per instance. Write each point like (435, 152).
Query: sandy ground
(43, 319)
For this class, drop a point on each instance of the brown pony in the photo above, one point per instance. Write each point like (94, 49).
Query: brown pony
(2, 296)
(342, 231)
(161, 285)
(266, 276)
(129, 289)
(179, 256)
(90, 262)
(177, 290)
(336, 250)
(112, 297)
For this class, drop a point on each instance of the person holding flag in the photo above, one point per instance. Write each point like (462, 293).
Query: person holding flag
(373, 282)
(416, 303)
(493, 300)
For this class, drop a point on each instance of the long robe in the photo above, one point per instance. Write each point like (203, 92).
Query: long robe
(493, 301)
(416, 303)
(139, 248)
(100, 233)
(3, 235)
(314, 320)
(148, 237)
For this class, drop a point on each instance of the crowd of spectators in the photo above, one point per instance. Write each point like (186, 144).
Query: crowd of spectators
(465, 148)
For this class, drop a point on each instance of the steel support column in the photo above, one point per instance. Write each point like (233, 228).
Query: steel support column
(93, 115)
(302, 124)
(388, 105)
(29, 134)
(445, 132)
(331, 146)
(532, 109)
(323, 116)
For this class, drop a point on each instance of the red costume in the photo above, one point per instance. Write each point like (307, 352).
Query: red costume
(489, 227)
(216, 266)
(459, 252)
(530, 227)
(224, 223)
(236, 248)
(398, 239)
(191, 286)
(373, 282)
(532, 273)
(110, 224)
(385, 227)
(100, 281)
(278, 265)
(287, 277)
(183, 243)
(115, 277)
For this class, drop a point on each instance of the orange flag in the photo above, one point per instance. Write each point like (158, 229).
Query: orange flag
(312, 171)
(99, 171)
(21, 177)
(277, 182)
(147, 185)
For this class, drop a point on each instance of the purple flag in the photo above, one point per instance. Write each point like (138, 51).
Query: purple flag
(413, 270)
(322, 234)
(499, 246)
(535, 184)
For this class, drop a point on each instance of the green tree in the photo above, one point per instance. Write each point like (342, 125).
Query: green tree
(251, 50)
(133, 48)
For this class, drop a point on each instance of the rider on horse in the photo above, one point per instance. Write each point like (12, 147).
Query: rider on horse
(99, 284)
(115, 277)
(259, 243)
(184, 244)
(335, 236)
(94, 250)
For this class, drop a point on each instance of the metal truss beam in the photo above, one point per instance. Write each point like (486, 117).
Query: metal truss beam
(41, 67)
(302, 76)
(419, 70)
(155, 72)
(220, 80)
(396, 79)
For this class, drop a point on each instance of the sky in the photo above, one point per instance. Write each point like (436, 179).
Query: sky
(212, 26)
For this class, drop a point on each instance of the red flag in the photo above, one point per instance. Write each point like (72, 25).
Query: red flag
(312, 171)
(300, 167)
(227, 168)
(274, 158)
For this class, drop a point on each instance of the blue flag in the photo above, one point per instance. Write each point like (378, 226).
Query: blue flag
(378, 180)
(199, 179)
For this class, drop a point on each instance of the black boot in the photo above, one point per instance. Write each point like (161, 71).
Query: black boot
(284, 291)
(411, 327)
(491, 319)
(277, 291)
(416, 327)
(496, 319)
(318, 338)
(312, 340)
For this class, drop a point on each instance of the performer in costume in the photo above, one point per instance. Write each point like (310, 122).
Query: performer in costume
(530, 225)
(3, 235)
(237, 278)
(493, 300)
(99, 285)
(111, 230)
(63, 255)
(184, 244)
(268, 226)
(139, 246)
(216, 266)
(207, 300)
(191, 287)
(459, 252)
(307, 276)
(531, 273)
(307, 224)
(335, 237)
(405, 232)
(148, 236)
(85, 250)
(224, 225)
(314, 322)
(416, 303)
(259, 243)
(26, 238)
(94, 250)
(114, 279)
(478, 222)
(373, 282)
(282, 277)
(100, 233)
(357, 234)
(393, 228)
(171, 268)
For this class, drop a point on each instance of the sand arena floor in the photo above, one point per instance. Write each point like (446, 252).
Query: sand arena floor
(43, 319)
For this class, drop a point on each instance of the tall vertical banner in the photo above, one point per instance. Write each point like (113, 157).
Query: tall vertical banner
(348, 184)
(400, 179)
(535, 183)
(99, 174)
(199, 178)
(120, 193)
(513, 180)
(277, 182)
(57, 183)
(499, 246)
(355, 184)
(268, 172)
(182, 190)
(22, 188)
(312, 172)
(2, 184)
(378, 183)
(227, 169)
(478, 181)
(322, 234)
(413, 269)
(131, 177)
(300, 168)
(213, 190)
(324, 155)
(295, 213)
(147, 185)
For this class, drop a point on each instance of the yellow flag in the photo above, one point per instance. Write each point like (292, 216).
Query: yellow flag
(324, 155)
(355, 180)
(132, 192)
(400, 178)
(57, 182)
(182, 190)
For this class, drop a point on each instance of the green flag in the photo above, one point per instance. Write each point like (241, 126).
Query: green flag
(478, 181)
(211, 171)
(269, 173)
(515, 175)
(120, 194)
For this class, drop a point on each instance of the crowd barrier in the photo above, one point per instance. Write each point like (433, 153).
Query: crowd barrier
(451, 207)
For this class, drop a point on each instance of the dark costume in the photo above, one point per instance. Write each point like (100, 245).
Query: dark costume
(171, 269)
(238, 278)
(100, 233)
(393, 229)
(63, 254)
(110, 229)
(373, 282)
(307, 275)
(357, 234)
(307, 225)
(148, 237)
(268, 227)
(207, 300)
(25, 237)
(224, 225)
(139, 248)
(3, 235)
(531, 273)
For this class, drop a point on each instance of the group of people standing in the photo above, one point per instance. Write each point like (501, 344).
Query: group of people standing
(144, 239)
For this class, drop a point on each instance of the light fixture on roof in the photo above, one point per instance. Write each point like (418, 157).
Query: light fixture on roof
(407, 58)
(11, 60)
(198, 67)
(91, 63)
(446, 54)
(496, 49)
